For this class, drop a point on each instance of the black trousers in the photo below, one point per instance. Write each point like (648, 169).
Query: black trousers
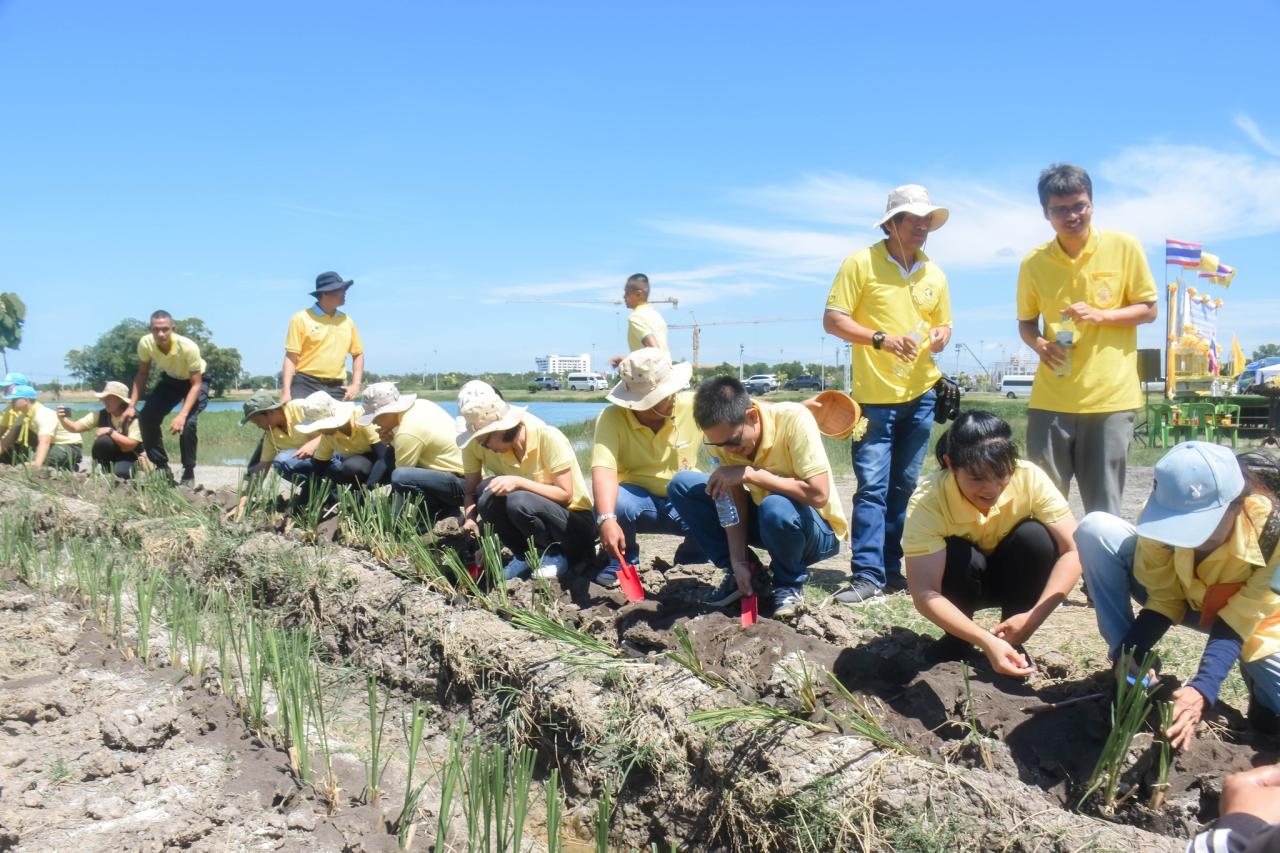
(112, 457)
(517, 516)
(440, 491)
(1012, 577)
(167, 394)
(354, 470)
(304, 384)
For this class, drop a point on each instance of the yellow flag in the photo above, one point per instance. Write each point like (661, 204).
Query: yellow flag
(1237, 357)
(1209, 262)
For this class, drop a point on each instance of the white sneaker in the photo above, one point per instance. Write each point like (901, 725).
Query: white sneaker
(553, 565)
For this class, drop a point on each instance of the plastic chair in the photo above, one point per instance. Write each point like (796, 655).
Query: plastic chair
(1197, 418)
(1227, 417)
(1160, 424)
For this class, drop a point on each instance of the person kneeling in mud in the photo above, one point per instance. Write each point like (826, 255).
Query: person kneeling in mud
(535, 486)
(1199, 556)
(777, 474)
(280, 440)
(115, 446)
(988, 530)
(340, 448)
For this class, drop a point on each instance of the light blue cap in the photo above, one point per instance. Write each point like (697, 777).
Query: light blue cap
(11, 379)
(21, 392)
(1195, 483)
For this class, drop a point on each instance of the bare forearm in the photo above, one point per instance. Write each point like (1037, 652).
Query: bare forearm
(789, 487)
(1029, 331)
(357, 369)
(42, 450)
(604, 488)
(287, 370)
(1130, 315)
(846, 328)
(941, 612)
(737, 534)
(550, 491)
(1062, 579)
(124, 442)
(139, 383)
(193, 393)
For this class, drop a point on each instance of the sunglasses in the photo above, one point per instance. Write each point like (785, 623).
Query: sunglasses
(733, 441)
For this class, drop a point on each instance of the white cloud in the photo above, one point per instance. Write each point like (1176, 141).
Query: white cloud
(1255, 134)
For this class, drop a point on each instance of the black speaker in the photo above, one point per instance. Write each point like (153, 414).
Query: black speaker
(1149, 365)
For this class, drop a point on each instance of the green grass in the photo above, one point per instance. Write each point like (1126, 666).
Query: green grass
(222, 440)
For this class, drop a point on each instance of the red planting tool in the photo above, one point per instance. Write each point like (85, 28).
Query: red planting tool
(476, 569)
(630, 581)
(750, 610)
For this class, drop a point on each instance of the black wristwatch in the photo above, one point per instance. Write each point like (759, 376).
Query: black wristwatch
(877, 339)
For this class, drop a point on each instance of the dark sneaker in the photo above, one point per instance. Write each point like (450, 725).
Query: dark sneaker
(860, 590)
(895, 582)
(607, 577)
(725, 594)
(787, 601)
(188, 477)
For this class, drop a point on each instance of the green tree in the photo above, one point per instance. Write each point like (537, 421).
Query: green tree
(115, 355)
(1265, 351)
(12, 315)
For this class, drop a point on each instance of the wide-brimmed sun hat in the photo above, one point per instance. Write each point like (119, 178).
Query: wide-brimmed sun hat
(481, 412)
(320, 411)
(647, 377)
(113, 389)
(381, 398)
(914, 199)
(837, 414)
(1195, 483)
(259, 404)
(328, 282)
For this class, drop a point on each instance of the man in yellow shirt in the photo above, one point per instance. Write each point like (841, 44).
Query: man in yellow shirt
(890, 301)
(1081, 297)
(117, 446)
(316, 347)
(645, 326)
(55, 446)
(777, 475)
(340, 448)
(641, 442)
(181, 369)
(423, 460)
(24, 443)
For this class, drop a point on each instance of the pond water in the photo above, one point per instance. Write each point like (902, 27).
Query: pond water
(554, 413)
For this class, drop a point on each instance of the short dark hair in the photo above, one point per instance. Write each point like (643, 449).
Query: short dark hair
(895, 219)
(509, 434)
(1063, 179)
(638, 282)
(160, 315)
(720, 400)
(980, 443)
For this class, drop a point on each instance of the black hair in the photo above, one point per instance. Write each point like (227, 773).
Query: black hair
(639, 283)
(161, 315)
(1063, 179)
(979, 442)
(509, 435)
(895, 219)
(720, 400)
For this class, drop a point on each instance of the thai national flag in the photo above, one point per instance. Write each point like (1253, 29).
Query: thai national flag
(1213, 355)
(1182, 254)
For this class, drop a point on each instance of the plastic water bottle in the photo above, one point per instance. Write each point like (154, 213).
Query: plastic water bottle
(1066, 338)
(726, 510)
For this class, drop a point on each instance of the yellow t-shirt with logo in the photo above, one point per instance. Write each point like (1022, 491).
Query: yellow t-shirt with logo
(182, 361)
(358, 443)
(322, 343)
(90, 422)
(546, 453)
(790, 446)
(427, 438)
(871, 288)
(641, 456)
(938, 510)
(643, 321)
(276, 439)
(1174, 582)
(46, 423)
(1111, 272)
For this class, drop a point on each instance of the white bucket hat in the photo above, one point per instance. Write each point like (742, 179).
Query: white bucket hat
(481, 412)
(381, 398)
(647, 377)
(914, 199)
(113, 389)
(321, 412)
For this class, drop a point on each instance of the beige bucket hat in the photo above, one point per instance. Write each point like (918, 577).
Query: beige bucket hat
(481, 412)
(321, 412)
(113, 389)
(647, 377)
(381, 398)
(913, 198)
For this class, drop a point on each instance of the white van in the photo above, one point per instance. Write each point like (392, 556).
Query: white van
(587, 382)
(1014, 385)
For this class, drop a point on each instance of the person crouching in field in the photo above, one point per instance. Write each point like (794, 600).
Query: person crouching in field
(535, 487)
(988, 530)
(1199, 555)
(776, 472)
(116, 447)
(23, 445)
(280, 438)
(55, 446)
(340, 448)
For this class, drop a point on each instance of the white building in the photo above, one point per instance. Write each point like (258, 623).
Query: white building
(562, 364)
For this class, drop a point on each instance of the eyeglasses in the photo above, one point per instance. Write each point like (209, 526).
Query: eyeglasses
(734, 441)
(1060, 210)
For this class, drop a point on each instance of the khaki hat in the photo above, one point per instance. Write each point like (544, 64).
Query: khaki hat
(913, 198)
(113, 389)
(481, 412)
(258, 404)
(647, 377)
(836, 412)
(320, 411)
(381, 398)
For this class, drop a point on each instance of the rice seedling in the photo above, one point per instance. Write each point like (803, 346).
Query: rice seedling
(289, 653)
(604, 816)
(550, 629)
(1128, 714)
(718, 718)
(497, 797)
(328, 787)
(413, 737)
(491, 554)
(687, 657)
(257, 498)
(423, 559)
(179, 603)
(145, 590)
(316, 504)
(463, 579)
(246, 636)
(115, 581)
(861, 720)
(1163, 758)
(449, 780)
(377, 766)
(555, 811)
(973, 733)
(802, 682)
(521, 774)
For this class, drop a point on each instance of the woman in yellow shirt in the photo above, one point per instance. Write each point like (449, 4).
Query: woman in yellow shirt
(988, 530)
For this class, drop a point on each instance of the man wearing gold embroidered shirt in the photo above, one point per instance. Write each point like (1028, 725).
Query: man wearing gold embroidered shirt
(1081, 297)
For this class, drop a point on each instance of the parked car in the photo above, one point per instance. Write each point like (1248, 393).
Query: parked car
(587, 382)
(804, 383)
(1013, 386)
(761, 383)
(545, 383)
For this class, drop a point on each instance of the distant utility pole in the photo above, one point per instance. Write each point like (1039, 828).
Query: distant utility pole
(739, 362)
(435, 362)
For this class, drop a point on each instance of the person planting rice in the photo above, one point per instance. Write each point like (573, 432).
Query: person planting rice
(534, 488)
(317, 345)
(1199, 555)
(776, 473)
(340, 448)
(181, 383)
(55, 445)
(987, 530)
(641, 442)
(280, 441)
(116, 446)
(24, 443)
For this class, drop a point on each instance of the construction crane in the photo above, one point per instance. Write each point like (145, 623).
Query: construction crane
(697, 327)
(670, 300)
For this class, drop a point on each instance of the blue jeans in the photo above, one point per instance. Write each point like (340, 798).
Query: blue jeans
(1106, 544)
(639, 511)
(887, 464)
(295, 470)
(794, 534)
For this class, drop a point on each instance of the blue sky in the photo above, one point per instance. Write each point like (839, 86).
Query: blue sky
(211, 159)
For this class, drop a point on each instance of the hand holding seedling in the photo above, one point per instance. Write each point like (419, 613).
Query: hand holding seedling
(1188, 707)
(1015, 630)
(1255, 792)
(1005, 659)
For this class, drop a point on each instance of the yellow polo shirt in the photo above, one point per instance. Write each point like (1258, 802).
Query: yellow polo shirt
(1174, 582)
(645, 320)
(790, 446)
(90, 421)
(276, 440)
(360, 442)
(427, 438)
(322, 343)
(47, 424)
(546, 453)
(938, 510)
(1111, 272)
(641, 456)
(182, 361)
(872, 289)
